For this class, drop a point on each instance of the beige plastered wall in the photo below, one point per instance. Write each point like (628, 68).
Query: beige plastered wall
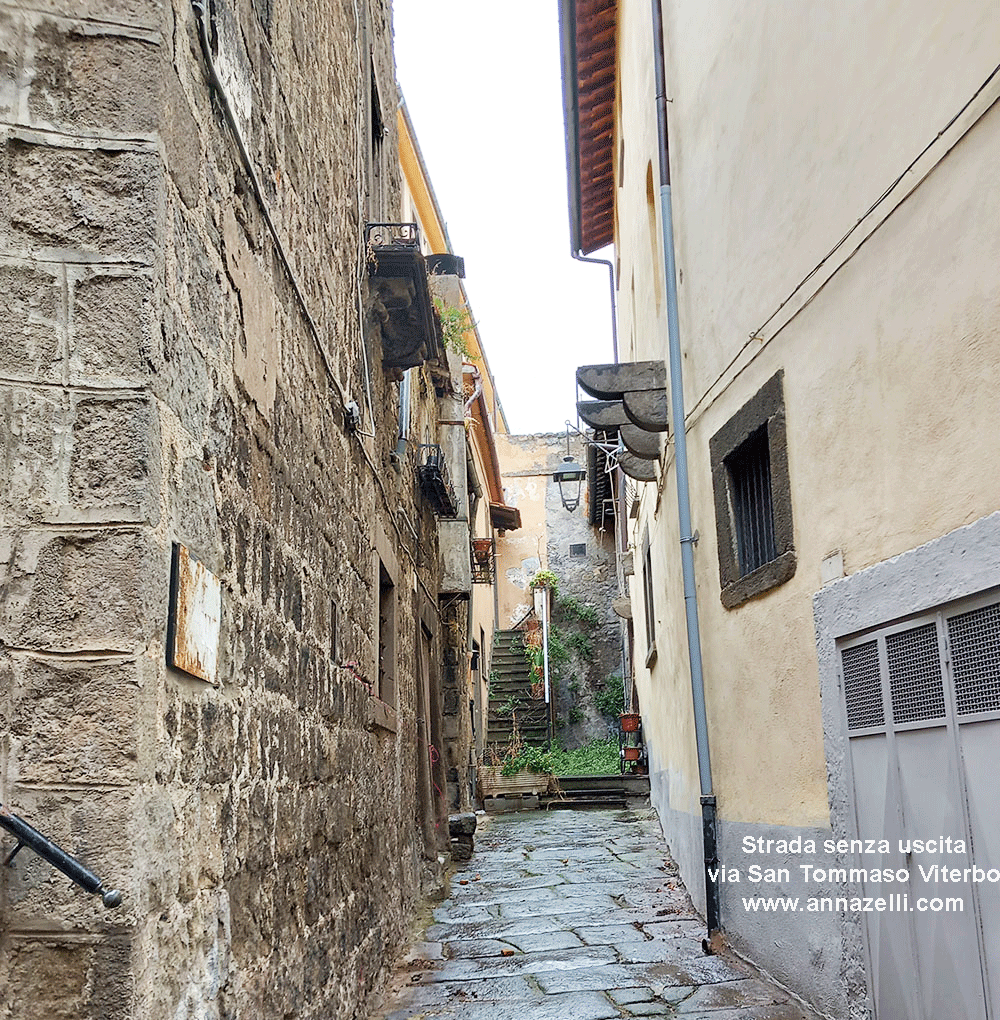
(520, 553)
(783, 133)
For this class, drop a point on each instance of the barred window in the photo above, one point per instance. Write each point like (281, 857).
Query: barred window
(753, 498)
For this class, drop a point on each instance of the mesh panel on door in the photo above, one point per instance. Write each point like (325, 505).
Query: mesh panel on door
(862, 686)
(915, 682)
(975, 658)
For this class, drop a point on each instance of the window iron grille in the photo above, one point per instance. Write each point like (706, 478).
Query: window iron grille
(392, 236)
(749, 467)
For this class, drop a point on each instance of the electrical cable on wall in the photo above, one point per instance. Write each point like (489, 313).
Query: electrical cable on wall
(227, 109)
(219, 88)
(362, 252)
(696, 411)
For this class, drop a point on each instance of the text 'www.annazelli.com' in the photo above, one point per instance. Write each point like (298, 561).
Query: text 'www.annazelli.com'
(896, 903)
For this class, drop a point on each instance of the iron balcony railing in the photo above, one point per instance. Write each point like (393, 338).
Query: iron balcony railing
(435, 481)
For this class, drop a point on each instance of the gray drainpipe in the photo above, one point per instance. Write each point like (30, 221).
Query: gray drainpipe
(567, 28)
(708, 818)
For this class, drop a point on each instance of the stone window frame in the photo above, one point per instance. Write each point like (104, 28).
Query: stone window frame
(765, 409)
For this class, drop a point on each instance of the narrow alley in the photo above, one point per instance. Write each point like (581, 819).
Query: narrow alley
(413, 409)
(574, 914)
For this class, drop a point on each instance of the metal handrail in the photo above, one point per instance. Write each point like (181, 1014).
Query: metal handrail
(43, 846)
(524, 619)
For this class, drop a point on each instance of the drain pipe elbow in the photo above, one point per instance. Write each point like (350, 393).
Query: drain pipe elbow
(580, 257)
(477, 381)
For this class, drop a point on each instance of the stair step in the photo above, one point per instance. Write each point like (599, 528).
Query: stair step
(634, 786)
(558, 804)
(575, 795)
(498, 732)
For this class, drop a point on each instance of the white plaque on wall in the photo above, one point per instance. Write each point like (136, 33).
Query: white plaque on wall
(195, 617)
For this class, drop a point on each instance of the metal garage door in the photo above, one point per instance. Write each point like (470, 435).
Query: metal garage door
(922, 704)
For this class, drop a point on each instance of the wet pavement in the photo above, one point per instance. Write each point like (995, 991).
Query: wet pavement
(574, 915)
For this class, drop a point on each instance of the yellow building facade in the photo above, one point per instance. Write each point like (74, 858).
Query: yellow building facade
(838, 313)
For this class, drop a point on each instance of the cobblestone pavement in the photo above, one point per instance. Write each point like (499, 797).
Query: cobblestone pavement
(574, 915)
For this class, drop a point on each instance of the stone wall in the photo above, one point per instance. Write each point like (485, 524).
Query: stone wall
(160, 383)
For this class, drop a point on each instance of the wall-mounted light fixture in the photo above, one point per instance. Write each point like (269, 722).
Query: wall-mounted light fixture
(569, 476)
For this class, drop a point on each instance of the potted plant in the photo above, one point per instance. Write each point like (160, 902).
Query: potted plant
(629, 722)
(544, 579)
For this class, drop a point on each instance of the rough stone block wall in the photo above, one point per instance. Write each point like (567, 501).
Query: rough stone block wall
(159, 385)
(591, 580)
(455, 690)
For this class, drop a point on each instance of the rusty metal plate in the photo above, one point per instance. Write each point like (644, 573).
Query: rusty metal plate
(195, 616)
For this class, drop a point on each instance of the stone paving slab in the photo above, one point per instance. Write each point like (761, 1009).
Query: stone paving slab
(560, 961)
(574, 916)
(568, 1006)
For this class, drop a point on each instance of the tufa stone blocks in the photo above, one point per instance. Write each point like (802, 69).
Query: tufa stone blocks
(75, 592)
(78, 202)
(74, 722)
(92, 78)
(111, 327)
(32, 329)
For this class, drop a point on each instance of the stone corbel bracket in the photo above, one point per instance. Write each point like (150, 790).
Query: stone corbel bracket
(639, 386)
(637, 468)
(632, 401)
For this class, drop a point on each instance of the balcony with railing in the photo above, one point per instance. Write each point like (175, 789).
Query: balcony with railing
(483, 561)
(435, 481)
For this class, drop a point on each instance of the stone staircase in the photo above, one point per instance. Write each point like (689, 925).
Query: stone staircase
(576, 792)
(510, 695)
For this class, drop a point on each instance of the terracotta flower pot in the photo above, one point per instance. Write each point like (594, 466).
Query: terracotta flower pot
(629, 722)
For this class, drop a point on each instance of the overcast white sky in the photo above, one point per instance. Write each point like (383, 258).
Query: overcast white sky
(482, 84)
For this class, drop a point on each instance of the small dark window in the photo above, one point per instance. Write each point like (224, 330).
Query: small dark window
(579, 549)
(749, 468)
(386, 637)
(377, 154)
(647, 599)
(753, 497)
(377, 126)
